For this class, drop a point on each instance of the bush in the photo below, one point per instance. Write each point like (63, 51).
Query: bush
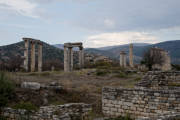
(102, 72)
(6, 89)
(27, 106)
(2, 118)
(121, 75)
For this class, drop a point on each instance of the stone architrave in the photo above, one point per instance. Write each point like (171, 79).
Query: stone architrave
(131, 64)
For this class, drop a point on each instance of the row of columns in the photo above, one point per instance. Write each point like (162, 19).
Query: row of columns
(123, 57)
(68, 56)
(30, 44)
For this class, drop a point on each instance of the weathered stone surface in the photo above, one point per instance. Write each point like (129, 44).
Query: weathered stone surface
(31, 85)
(151, 98)
(70, 111)
(68, 56)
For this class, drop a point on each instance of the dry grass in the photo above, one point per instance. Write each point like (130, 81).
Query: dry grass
(79, 80)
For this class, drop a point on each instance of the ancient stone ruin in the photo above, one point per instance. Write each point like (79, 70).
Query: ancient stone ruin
(155, 96)
(122, 59)
(71, 111)
(68, 56)
(131, 63)
(30, 47)
(165, 65)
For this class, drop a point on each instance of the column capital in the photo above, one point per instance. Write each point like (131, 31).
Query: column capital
(81, 48)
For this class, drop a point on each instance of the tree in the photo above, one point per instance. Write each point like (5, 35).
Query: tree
(152, 57)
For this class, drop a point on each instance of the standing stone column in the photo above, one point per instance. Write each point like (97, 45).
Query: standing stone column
(40, 46)
(26, 54)
(66, 59)
(131, 64)
(70, 58)
(81, 57)
(122, 59)
(33, 56)
(82, 52)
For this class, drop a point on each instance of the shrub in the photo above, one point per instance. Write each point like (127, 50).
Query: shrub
(2, 118)
(102, 72)
(6, 89)
(26, 105)
(137, 79)
(121, 75)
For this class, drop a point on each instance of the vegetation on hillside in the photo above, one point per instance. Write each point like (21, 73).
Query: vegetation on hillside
(11, 56)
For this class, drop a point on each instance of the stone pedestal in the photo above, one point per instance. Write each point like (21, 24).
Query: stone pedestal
(40, 46)
(122, 59)
(33, 56)
(131, 64)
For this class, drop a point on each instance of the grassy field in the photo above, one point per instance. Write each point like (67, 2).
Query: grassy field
(79, 86)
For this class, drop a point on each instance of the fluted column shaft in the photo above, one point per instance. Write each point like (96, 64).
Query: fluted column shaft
(26, 55)
(33, 56)
(40, 46)
(131, 64)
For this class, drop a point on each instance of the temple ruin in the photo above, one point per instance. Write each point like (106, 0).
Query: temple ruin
(68, 56)
(122, 59)
(164, 57)
(30, 54)
(131, 64)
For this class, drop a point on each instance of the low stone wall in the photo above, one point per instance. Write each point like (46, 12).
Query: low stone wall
(139, 102)
(61, 112)
(160, 80)
(164, 117)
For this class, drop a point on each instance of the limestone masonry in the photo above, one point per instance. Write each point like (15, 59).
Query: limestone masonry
(68, 56)
(71, 111)
(31, 44)
(156, 95)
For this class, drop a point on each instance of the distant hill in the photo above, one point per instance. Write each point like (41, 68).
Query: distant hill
(116, 46)
(60, 46)
(173, 47)
(49, 52)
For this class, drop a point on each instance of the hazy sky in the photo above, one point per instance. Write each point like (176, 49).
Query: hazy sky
(96, 23)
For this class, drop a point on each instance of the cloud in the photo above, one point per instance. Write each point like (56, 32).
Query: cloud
(23, 7)
(119, 38)
(130, 15)
(109, 23)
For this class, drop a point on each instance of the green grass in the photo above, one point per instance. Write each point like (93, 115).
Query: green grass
(26, 105)
(174, 84)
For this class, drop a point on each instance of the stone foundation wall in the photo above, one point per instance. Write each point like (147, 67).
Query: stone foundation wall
(61, 112)
(139, 102)
(160, 80)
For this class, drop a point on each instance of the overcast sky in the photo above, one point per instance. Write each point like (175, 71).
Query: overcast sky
(96, 23)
